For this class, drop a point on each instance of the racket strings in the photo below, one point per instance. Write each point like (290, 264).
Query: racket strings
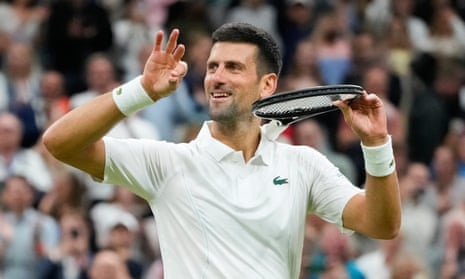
(302, 106)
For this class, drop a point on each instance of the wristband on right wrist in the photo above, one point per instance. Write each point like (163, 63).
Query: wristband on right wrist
(379, 160)
(131, 97)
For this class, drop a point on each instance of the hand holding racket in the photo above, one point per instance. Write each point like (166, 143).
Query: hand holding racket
(363, 112)
(367, 118)
(291, 106)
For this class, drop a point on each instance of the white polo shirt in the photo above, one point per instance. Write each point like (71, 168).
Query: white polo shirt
(219, 217)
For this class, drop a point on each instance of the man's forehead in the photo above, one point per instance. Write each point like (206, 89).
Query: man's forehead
(233, 52)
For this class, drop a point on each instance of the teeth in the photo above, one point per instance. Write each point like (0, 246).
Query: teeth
(220, 95)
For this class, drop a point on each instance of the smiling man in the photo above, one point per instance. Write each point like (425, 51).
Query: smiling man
(231, 203)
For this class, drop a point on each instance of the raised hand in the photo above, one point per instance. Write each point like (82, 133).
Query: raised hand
(164, 69)
(367, 118)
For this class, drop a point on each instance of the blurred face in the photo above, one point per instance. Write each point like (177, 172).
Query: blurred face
(75, 234)
(120, 236)
(100, 75)
(52, 86)
(376, 80)
(107, 265)
(19, 59)
(308, 133)
(444, 163)
(10, 132)
(17, 195)
(305, 54)
(231, 82)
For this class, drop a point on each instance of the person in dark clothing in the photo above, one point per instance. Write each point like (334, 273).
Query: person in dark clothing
(74, 30)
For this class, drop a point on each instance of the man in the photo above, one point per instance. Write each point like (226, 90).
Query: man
(232, 202)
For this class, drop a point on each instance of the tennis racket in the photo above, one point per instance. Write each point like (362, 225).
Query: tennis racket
(291, 106)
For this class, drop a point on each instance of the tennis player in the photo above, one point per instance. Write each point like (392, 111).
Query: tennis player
(231, 203)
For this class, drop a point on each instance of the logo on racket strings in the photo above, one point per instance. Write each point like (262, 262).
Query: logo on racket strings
(280, 181)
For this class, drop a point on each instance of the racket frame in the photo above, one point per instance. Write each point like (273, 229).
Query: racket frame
(297, 115)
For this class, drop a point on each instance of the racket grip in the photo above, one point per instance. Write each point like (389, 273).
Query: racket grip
(379, 160)
(131, 97)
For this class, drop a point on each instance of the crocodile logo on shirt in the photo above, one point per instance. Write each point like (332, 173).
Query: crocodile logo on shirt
(280, 181)
(119, 91)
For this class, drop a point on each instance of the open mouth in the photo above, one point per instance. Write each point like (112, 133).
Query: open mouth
(219, 95)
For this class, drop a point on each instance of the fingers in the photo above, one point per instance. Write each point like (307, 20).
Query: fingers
(172, 46)
(172, 41)
(158, 41)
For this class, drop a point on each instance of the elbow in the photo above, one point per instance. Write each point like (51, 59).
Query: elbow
(390, 230)
(52, 145)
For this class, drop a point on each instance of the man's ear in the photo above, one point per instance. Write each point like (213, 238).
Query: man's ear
(269, 83)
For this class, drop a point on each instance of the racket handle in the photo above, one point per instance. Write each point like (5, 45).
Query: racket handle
(273, 129)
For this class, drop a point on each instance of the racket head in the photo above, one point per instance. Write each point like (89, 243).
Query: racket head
(291, 106)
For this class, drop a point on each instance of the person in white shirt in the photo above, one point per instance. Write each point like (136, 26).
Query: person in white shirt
(231, 203)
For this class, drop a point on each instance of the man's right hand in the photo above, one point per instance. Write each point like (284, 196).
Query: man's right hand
(164, 69)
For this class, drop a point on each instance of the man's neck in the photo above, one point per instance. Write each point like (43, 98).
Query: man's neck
(242, 136)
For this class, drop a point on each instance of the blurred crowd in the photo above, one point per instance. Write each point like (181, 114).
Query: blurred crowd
(58, 223)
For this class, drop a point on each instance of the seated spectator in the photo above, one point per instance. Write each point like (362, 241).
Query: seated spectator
(108, 264)
(34, 234)
(68, 194)
(16, 160)
(73, 256)
(19, 85)
(116, 230)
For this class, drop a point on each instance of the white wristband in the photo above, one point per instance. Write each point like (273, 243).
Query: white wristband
(379, 160)
(131, 97)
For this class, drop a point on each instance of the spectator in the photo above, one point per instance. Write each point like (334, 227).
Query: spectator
(131, 34)
(377, 264)
(75, 30)
(428, 112)
(331, 39)
(297, 24)
(21, 19)
(453, 261)
(15, 160)
(72, 257)
(100, 74)
(20, 86)
(447, 32)
(304, 71)
(257, 12)
(68, 194)
(336, 256)
(447, 188)
(419, 222)
(34, 234)
(116, 230)
(108, 265)
(53, 98)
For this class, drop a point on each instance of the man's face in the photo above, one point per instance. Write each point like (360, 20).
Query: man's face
(231, 81)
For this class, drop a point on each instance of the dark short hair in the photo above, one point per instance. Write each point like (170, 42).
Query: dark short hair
(268, 58)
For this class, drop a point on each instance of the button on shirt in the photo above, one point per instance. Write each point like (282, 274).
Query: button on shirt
(220, 217)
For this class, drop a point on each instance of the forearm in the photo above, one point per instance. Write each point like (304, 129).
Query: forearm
(383, 206)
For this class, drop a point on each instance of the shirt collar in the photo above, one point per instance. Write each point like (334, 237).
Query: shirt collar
(220, 151)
